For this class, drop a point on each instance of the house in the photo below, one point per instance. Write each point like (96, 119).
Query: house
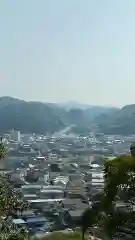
(75, 186)
(43, 203)
(51, 193)
(31, 188)
(72, 204)
(61, 180)
(18, 223)
(26, 214)
(36, 222)
(73, 218)
(30, 196)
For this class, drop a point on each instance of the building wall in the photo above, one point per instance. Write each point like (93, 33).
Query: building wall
(3, 164)
(15, 135)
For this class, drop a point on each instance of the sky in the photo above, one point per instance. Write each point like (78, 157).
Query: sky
(68, 50)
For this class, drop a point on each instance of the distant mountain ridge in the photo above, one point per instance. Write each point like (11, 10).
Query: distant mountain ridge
(121, 121)
(74, 104)
(29, 117)
(37, 117)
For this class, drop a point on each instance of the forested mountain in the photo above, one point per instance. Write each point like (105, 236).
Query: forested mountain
(29, 117)
(37, 117)
(121, 121)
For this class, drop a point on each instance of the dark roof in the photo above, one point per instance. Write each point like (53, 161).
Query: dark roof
(76, 213)
(26, 213)
(36, 219)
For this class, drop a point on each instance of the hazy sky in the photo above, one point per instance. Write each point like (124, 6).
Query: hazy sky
(61, 50)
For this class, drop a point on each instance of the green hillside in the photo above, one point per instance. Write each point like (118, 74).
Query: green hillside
(121, 121)
(42, 118)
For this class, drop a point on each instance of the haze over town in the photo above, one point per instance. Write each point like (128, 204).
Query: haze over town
(67, 119)
(55, 51)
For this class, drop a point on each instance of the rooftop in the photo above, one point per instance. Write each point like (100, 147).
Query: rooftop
(36, 219)
(18, 221)
(76, 213)
(45, 200)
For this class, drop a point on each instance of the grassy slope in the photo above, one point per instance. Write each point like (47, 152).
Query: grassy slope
(62, 236)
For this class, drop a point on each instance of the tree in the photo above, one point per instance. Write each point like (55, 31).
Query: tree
(88, 220)
(20, 234)
(110, 219)
(132, 150)
(91, 217)
(10, 203)
(119, 175)
(3, 152)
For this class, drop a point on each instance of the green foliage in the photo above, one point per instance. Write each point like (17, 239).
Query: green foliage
(120, 121)
(63, 236)
(21, 234)
(132, 150)
(92, 217)
(29, 117)
(36, 117)
(120, 185)
(119, 175)
(10, 203)
(3, 152)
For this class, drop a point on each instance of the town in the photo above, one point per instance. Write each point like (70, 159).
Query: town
(57, 175)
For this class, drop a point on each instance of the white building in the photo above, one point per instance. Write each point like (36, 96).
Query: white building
(15, 136)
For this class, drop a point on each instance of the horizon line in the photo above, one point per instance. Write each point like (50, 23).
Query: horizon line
(69, 102)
